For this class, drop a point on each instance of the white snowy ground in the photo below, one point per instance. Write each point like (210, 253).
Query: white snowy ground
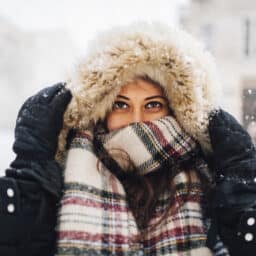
(6, 154)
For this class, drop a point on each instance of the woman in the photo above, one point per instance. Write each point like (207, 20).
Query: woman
(151, 165)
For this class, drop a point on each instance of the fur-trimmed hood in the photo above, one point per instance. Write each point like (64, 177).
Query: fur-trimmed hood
(167, 55)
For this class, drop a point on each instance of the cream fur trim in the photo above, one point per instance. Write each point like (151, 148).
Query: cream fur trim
(166, 54)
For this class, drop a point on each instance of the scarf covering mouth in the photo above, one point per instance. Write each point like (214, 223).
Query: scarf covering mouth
(148, 146)
(94, 216)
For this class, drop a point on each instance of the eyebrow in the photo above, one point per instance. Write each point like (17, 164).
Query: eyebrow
(148, 98)
(156, 96)
(124, 97)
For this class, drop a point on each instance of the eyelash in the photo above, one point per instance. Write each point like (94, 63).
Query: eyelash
(120, 104)
(154, 103)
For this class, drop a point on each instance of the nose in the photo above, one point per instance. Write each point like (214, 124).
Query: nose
(137, 116)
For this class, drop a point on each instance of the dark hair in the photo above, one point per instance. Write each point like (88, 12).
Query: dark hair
(143, 192)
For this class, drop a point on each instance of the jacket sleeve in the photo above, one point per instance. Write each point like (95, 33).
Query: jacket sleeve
(27, 218)
(235, 204)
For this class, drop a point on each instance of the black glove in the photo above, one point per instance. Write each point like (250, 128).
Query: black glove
(234, 162)
(234, 154)
(38, 124)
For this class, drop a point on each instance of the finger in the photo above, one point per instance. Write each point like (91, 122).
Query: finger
(46, 94)
(61, 99)
(42, 97)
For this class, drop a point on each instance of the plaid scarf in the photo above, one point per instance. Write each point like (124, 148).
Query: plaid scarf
(94, 217)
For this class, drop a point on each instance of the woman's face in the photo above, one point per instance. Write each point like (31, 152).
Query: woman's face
(136, 102)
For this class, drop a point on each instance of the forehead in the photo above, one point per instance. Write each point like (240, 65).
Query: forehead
(141, 88)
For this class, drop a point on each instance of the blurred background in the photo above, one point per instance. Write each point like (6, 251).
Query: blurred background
(41, 40)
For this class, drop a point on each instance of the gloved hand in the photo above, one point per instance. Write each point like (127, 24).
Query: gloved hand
(234, 154)
(234, 161)
(38, 124)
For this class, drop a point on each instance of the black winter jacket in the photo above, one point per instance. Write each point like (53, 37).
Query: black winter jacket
(27, 218)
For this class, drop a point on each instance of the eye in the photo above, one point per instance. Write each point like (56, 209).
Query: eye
(120, 105)
(154, 104)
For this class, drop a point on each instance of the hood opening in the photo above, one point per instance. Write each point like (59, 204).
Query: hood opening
(167, 55)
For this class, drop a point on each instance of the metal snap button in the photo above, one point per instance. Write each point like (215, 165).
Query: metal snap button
(10, 208)
(248, 237)
(251, 221)
(10, 192)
